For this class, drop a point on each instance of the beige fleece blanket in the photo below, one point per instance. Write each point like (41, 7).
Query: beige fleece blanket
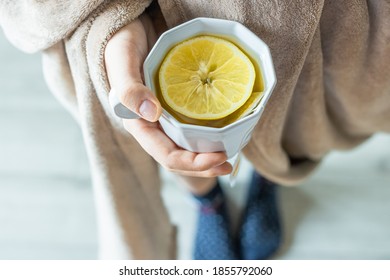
(332, 61)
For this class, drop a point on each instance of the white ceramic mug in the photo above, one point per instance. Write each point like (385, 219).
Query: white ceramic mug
(232, 137)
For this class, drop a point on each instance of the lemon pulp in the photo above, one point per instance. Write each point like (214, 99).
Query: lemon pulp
(206, 78)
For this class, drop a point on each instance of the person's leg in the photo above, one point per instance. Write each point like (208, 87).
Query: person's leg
(260, 232)
(213, 239)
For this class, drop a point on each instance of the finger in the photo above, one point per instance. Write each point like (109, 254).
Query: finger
(139, 99)
(156, 143)
(221, 170)
(124, 56)
(166, 152)
(179, 159)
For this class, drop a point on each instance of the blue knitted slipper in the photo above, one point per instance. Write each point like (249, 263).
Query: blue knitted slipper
(213, 239)
(260, 232)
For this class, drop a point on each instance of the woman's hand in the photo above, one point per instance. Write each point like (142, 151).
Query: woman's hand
(124, 57)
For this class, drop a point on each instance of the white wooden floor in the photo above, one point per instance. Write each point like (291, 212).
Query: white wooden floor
(46, 205)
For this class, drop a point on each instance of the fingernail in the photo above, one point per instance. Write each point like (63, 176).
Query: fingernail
(148, 110)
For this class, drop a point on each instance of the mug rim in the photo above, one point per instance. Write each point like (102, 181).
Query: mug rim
(270, 80)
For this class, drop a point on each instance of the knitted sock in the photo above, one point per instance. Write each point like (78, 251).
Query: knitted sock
(260, 232)
(213, 240)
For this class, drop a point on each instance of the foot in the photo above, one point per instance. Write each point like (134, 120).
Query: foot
(213, 240)
(260, 232)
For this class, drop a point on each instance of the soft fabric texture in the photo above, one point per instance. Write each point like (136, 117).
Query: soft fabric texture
(332, 61)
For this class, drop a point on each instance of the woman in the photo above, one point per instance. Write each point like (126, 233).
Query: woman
(332, 65)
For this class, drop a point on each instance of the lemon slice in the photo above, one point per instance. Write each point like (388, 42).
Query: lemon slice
(248, 107)
(206, 78)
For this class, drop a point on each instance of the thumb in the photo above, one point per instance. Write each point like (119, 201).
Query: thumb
(124, 56)
(140, 100)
